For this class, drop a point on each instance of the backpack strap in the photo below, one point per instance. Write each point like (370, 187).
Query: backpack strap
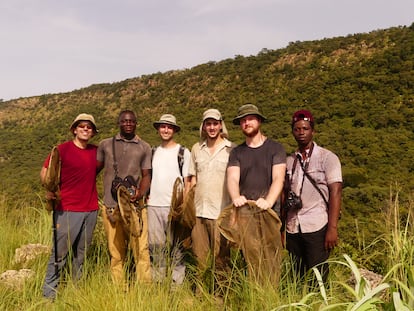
(180, 159)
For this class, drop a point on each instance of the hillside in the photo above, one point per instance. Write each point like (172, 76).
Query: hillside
(359, 87)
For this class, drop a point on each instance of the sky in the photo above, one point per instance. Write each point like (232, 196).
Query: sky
(55, 46)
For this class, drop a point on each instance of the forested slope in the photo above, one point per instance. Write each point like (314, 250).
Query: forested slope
(359, 87)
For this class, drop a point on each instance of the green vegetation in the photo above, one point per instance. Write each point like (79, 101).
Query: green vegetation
(359, 87)
(95, 291)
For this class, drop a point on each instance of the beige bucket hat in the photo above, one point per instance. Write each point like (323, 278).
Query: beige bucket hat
(167, 119)
(84, 117)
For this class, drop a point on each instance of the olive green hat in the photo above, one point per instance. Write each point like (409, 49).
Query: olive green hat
(245, 110)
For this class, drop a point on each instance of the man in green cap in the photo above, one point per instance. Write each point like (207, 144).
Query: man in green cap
(208, 164)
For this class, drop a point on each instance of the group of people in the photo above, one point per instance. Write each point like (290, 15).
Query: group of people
(256, 175)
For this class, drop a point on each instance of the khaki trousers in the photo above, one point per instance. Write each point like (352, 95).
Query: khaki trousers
(118, 239)
(209, 246)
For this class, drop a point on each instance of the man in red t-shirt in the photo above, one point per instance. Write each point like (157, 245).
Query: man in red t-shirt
(75, 213)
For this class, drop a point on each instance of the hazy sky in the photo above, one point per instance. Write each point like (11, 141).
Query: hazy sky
(53, 46)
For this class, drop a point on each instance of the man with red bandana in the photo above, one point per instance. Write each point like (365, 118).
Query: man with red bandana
(314, 175)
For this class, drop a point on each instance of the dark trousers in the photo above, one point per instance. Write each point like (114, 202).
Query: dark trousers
(308, 250)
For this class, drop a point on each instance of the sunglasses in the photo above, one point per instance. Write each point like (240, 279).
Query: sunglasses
(85, 126)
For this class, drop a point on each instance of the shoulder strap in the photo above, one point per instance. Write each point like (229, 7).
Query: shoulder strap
(313, 182)
(180, 159)
(115, 162)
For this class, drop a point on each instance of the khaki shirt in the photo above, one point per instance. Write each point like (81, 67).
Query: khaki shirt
(211, 194)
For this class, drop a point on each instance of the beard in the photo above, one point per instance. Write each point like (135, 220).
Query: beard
(250, 131)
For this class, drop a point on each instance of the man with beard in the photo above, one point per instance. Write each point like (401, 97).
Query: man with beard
(256, 172)
(125, 154)
(208, 164)
(314, 175)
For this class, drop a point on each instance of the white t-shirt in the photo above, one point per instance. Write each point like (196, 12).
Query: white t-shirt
(165, 171)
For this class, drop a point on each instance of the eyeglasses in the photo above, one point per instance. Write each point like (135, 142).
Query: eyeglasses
(85, 126)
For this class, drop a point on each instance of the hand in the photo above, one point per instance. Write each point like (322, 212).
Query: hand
(50, 195)
(331, 238)
(263, 204)
(240, 201)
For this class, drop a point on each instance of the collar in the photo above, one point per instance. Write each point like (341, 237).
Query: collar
(225, 143)
(135, 140)
(315, 146)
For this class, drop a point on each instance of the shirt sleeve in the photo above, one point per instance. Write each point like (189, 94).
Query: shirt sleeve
(333, 169)
(186, 165)
(192, 170)
(233, 159)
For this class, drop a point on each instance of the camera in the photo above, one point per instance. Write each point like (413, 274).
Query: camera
(130, 183)
(131, 191)
(293, 201)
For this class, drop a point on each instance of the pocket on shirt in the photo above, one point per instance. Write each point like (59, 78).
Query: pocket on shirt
(317, 175)
(202, 166)
(221, 166)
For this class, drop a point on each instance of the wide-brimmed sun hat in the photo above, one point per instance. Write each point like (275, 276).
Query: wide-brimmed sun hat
(84, 117)
(248, 109)
(167, 119)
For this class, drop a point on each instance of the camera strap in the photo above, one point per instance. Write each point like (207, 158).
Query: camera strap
(295, 162)
(303, 165)
(313, 182)
(115, 162)
(305, 173)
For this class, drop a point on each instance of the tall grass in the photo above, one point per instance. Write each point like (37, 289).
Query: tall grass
(400, 227)
(28, 222)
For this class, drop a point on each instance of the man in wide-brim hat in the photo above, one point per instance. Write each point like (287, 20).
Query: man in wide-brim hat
(75, 213)
(170, 161)
(256, 172)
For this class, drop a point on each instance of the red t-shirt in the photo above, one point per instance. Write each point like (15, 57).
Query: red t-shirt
(77, 178)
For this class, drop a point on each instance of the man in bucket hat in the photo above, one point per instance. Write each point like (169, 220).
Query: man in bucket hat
(256, 172)
(75, 213)
(208, 164)
(314, 175)
(166, 168)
